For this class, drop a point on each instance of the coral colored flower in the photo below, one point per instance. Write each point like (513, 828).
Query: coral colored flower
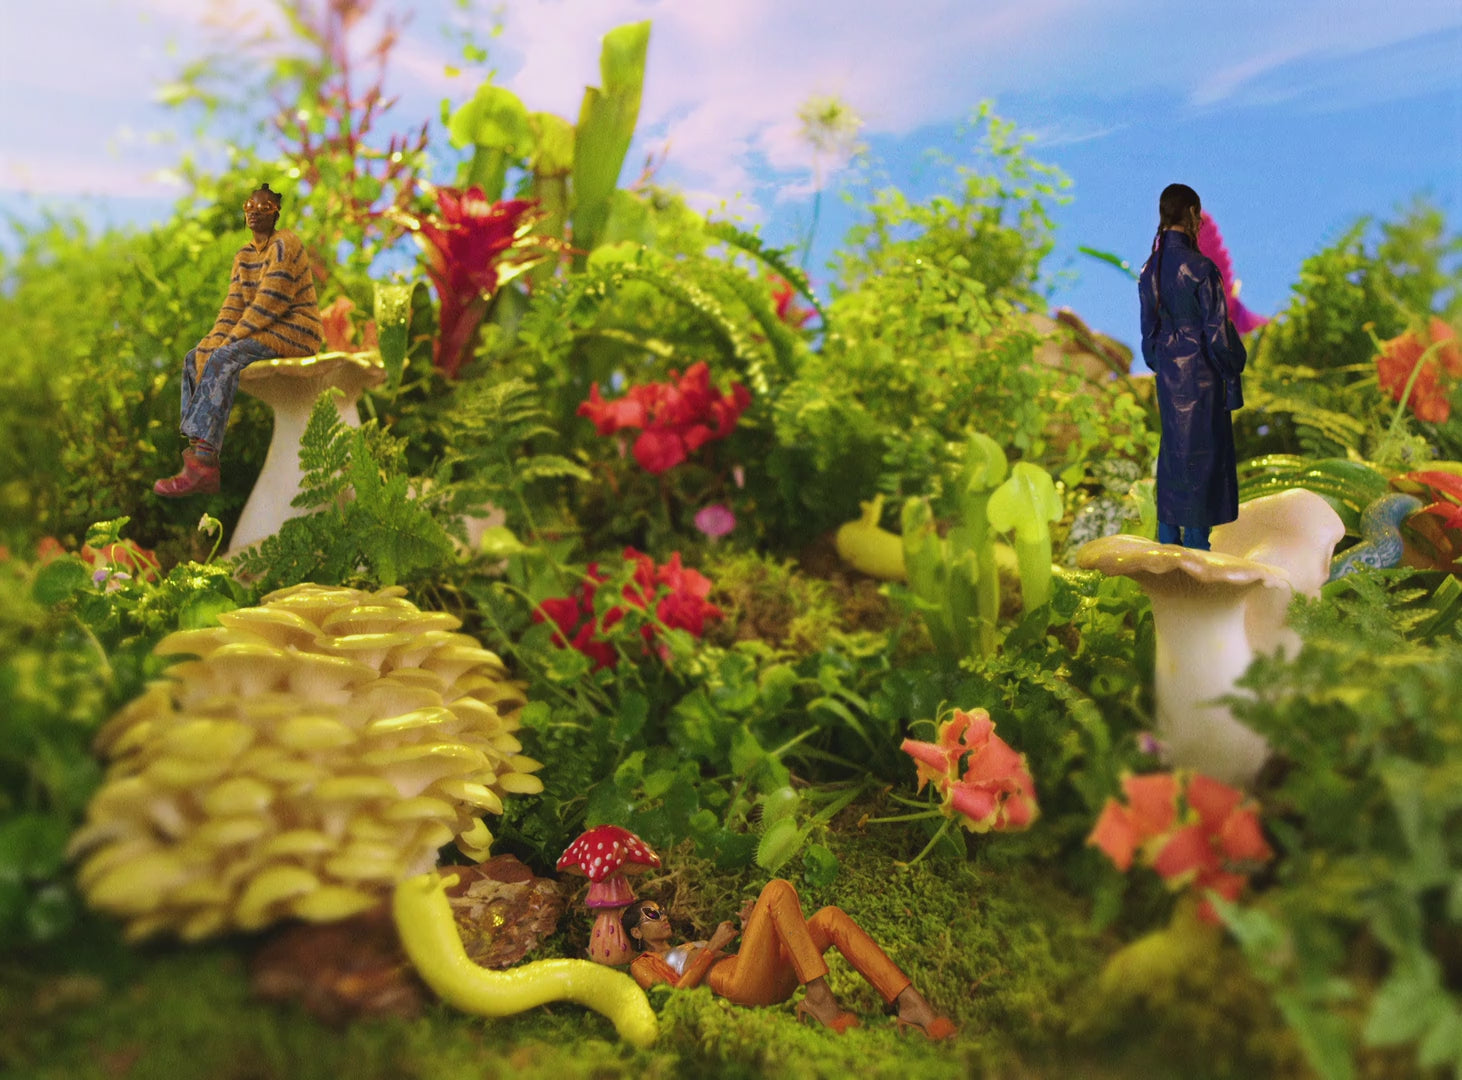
(472, 248)
(683, 606)
(1430, 393)
(335, 325)
(676, 418)
(784, 295)
(1209, 842)
(995, 789)
(1210, 243)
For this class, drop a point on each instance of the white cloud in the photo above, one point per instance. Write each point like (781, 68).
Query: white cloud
(79, 175)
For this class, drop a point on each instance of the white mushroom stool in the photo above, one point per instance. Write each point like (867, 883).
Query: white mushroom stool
(289, 386)
(1214, 611)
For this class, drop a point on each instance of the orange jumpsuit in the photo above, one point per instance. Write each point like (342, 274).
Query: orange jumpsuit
(780, 950)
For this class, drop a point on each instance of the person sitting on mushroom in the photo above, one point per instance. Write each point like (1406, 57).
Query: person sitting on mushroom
(780, 950)
(270, 311)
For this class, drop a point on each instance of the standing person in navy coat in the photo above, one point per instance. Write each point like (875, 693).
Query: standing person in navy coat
(1188, 341)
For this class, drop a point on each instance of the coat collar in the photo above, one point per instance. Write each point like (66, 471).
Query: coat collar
(1179, 235)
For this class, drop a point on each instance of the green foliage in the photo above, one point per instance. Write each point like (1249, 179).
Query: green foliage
(1358, 934)
(372, 523)
(75, 643)
(93, 330)
(994, 220)
(1312, 371)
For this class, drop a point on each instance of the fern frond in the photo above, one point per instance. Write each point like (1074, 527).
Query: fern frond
(779, 259)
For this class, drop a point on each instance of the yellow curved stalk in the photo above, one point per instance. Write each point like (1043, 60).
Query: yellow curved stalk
(869, 549)
(424, 920)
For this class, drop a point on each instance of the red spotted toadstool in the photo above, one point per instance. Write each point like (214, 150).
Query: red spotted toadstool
(607, 855)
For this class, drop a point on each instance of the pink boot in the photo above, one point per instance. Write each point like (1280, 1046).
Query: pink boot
(196, 478)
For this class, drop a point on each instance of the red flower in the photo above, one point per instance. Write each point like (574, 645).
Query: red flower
(996, 790)
(676, 418)
(1212, 844)
(1429, 398)
(472, 248)
(684, 606)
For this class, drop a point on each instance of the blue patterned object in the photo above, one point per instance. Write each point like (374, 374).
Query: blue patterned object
(1380, 536)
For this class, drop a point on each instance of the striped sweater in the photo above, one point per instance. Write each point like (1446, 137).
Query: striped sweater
(271, 300)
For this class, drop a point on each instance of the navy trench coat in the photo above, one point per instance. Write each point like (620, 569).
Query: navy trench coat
(1189, 343)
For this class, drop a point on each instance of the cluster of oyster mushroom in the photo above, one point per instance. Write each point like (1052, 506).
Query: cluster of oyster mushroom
(321, 748)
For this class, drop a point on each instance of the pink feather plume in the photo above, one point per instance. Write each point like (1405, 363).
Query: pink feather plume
(1210, 242)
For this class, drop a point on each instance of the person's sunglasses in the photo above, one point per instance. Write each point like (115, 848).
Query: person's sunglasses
(651, 913)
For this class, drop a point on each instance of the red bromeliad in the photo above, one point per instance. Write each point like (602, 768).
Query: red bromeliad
(995, 791)
(675, 418)
(473, 248)
(1191, 829)
(683, 607)
(1441, 365)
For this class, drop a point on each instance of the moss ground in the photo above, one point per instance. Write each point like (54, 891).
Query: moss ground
(1007, 953)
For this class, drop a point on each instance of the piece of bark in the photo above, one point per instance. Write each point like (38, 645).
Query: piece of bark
(356, 967)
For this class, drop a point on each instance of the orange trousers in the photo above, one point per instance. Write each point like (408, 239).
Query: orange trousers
(780, 950)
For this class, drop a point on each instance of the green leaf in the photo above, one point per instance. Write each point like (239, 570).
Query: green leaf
(778, 844)
(106, 533)
(32, 847)
(1407, 1004)
(819, 866)
(607, 121)
(498, 542)
(634, 710)
(1108, 258)
(60, 579)
(203, 609)
(495, 119)
(393, 318)
(553, 145)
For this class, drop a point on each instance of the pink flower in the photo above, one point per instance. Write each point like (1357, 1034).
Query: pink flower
(995, 790)
(1210, 243)
(715, 520)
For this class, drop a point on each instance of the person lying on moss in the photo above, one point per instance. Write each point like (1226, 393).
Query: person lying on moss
(780, 950)
(270, 311)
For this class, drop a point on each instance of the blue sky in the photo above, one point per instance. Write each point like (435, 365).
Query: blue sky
(1290, 117)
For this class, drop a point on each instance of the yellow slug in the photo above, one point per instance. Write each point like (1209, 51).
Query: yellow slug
(429, 934)
(871, 550)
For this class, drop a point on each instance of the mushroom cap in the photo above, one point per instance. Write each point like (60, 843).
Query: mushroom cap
(605, 850)
(1168, 568)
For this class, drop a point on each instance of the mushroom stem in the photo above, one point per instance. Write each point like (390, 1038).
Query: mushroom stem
(1201, 651)
(429, 935)
(289, 387)
(607, 941)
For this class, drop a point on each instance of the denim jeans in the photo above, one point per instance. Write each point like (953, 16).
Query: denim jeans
(209, 398)
(1192, 536)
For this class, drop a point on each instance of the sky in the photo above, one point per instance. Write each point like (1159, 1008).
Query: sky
(1291, 118)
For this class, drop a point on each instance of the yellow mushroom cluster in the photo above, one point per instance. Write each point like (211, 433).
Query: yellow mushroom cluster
(320, 748)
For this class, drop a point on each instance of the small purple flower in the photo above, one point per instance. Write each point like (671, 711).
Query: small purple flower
(715, 520)
(1148, 743)
(101, 575)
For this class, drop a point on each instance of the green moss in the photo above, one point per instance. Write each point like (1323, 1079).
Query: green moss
(1006, 952)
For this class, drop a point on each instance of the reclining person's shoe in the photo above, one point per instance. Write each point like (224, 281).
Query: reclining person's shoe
(195, 478)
